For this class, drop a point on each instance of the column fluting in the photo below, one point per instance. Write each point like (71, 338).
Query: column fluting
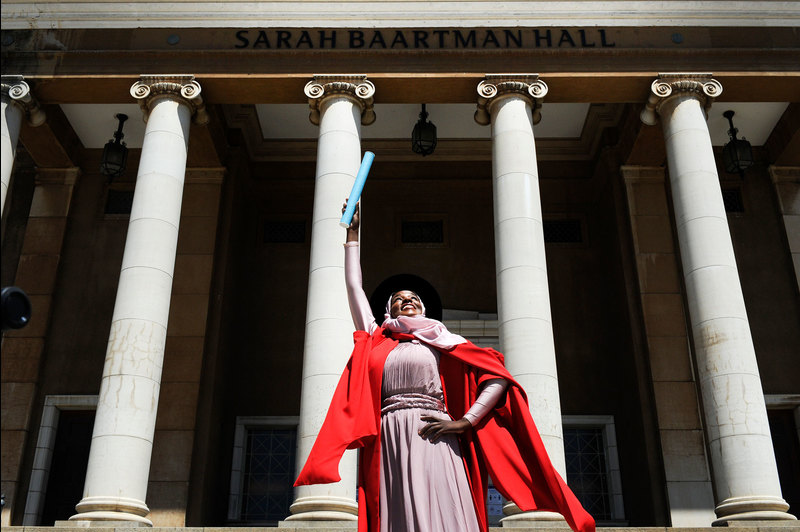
(511, 104)
(339, 105)
(122, 440)
(743, 460)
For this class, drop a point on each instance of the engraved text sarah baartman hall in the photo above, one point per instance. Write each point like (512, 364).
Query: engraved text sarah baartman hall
(608, 192)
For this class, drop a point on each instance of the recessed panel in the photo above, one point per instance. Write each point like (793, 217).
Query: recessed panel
(395, 121)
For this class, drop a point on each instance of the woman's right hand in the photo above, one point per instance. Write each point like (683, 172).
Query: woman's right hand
(355, 223)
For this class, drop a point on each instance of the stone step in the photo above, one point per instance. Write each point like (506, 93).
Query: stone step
(750, 526)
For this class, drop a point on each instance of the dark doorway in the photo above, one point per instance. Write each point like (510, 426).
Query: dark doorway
(68, 466)
(787, 454)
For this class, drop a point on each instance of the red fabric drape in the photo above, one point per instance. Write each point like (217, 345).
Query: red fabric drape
(505, 444)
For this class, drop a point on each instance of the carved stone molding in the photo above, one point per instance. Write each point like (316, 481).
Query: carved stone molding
(700, 85)
(354, 86)
(16, 91)
(57, 176)
(643, 174)
(494, 86)
(150, 88)
(784, 174)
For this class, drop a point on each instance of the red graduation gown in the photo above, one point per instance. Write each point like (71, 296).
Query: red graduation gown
(504, 444)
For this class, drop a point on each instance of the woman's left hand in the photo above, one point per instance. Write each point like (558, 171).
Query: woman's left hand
(437, 427)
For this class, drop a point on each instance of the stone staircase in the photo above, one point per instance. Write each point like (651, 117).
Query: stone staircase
(744, 526)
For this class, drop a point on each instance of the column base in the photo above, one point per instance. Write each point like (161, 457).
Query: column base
(116, 523)
(516, 518)
(321, 511)
(343, 525)
(761, 508)
(106, 509)
(793, 525)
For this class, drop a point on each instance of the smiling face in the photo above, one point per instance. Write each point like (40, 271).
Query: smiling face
(405, 303)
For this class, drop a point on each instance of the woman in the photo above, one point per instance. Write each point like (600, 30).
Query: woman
(420, 402)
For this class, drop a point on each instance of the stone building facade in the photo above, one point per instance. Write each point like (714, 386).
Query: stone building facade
(189, 317)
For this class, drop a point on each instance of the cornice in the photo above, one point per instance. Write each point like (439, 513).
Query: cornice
(50, 14)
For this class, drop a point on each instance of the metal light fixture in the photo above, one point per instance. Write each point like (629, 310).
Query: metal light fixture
(423, 137)
(737, 155)
(115, 153)
(16, 308)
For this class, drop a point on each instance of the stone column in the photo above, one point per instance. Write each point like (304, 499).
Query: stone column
(339, 104)
(17, 101)
(743, 461)
(511, 103)
(122, 441)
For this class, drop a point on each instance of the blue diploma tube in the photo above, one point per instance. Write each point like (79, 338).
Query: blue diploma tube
(358, 186)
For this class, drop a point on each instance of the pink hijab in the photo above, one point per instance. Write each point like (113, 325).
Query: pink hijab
(427, 330)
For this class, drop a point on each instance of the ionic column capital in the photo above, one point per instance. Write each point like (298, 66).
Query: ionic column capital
(494, 86)
(699, 85)
(150, 88)
(356, 87)
(16, 91)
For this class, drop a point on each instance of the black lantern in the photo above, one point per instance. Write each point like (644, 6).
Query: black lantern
(737, 155)
(16, 308)
(115, 153)
(423, 138)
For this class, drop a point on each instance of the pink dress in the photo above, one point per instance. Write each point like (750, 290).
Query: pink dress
(424, 485)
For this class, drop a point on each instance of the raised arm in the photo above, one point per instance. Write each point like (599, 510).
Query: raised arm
(359, 305)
